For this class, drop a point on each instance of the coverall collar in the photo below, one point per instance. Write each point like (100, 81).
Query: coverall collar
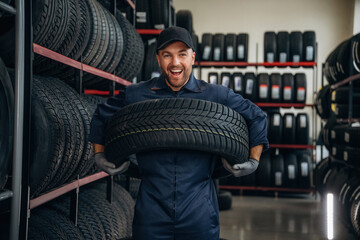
(191, 85)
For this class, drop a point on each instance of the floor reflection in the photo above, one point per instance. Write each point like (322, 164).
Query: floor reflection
(269, 218)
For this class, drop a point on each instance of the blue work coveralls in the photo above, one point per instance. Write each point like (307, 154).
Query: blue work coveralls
(177, 197)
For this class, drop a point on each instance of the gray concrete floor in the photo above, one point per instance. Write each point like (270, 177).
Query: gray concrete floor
(270, 218)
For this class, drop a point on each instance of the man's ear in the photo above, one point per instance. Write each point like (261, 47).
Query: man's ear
(158, 59)
(193, 57)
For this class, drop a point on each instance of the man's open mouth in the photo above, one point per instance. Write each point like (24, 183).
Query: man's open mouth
(176, 72)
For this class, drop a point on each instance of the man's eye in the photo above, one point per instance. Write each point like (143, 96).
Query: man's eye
(166, 56)
(183, 55)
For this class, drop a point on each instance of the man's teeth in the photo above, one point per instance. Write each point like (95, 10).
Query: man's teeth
(176, 71)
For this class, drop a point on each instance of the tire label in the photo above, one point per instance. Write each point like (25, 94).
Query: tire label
(300, 96)
(296, 58)
(141, 17)
(206, 53)
(237, 83)
(276, 120)
(241, 52)
(225, 81)
(278, 178)
(346, 156)
(287, 93)
(249, 86)
(333, 134)
(309, 53)
(155, 74)
(347, 137)
(334, 151)
(159, 26)
(270, 57)
(229, 53)
(275, 92)
(291, 172)
(217, 52)
(282, 57)
(213, 79)
(263, 91)
(302, 121)
(288, 122)
(304, 169)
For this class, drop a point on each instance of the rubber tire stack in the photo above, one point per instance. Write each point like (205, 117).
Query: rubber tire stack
(97, 219)
(82, 30)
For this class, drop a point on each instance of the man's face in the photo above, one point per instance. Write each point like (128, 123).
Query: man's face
(176, 62)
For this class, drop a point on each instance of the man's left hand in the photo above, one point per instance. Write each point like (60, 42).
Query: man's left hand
(241, 169)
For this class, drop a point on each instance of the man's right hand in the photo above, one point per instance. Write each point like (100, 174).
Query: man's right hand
(109, 167)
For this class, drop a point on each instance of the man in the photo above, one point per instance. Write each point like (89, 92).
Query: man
(177, 198)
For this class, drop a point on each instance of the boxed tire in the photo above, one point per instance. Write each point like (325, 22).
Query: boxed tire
(296, 46)
(225, 79)
(206, 47)
(289, 128)
(218, 47)
(230, 47)
(263, 173)
(304, 169)
(300, 88)
(213, 78)
(263, 87)
(250, 87)
(277, 170)
(242, 47)
(270, 47)
(302, 128)
(283, 46)
(276, 87)
(142, 20)
(291, 170)
(288, 88)
(275, 128)
(309, 47)
(238, 83)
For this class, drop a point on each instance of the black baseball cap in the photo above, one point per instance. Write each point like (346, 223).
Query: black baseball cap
(174, 34)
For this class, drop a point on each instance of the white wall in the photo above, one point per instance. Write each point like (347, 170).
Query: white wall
(332, 20)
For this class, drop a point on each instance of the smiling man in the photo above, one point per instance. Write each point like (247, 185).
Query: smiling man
(177, 197)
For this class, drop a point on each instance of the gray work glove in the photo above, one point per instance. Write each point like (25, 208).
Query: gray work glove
(241, 169)
(109, 167)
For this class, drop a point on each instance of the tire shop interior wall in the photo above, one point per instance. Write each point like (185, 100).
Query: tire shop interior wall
(332, 21)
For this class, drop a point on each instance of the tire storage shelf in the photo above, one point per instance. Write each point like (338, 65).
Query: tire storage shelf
(286, 185)
(22, 203)
(338, 105)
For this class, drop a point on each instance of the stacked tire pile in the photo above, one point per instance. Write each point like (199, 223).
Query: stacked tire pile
(344, 184)
(158, 14)
(97, 218)
(285, 88)
(339, 174)
(82, 30)
(285, 169)
(289, 47)
(224, 47)
(60, 150)
(341, 63)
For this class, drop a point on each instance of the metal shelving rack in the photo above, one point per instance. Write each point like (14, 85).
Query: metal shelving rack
(21, 204)
(350, 118)
(313, 66)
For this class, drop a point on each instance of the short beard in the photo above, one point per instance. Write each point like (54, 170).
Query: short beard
(167, 79)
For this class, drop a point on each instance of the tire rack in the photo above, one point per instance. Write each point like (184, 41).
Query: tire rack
(348, 120)
(256, 64)
(21, 204)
